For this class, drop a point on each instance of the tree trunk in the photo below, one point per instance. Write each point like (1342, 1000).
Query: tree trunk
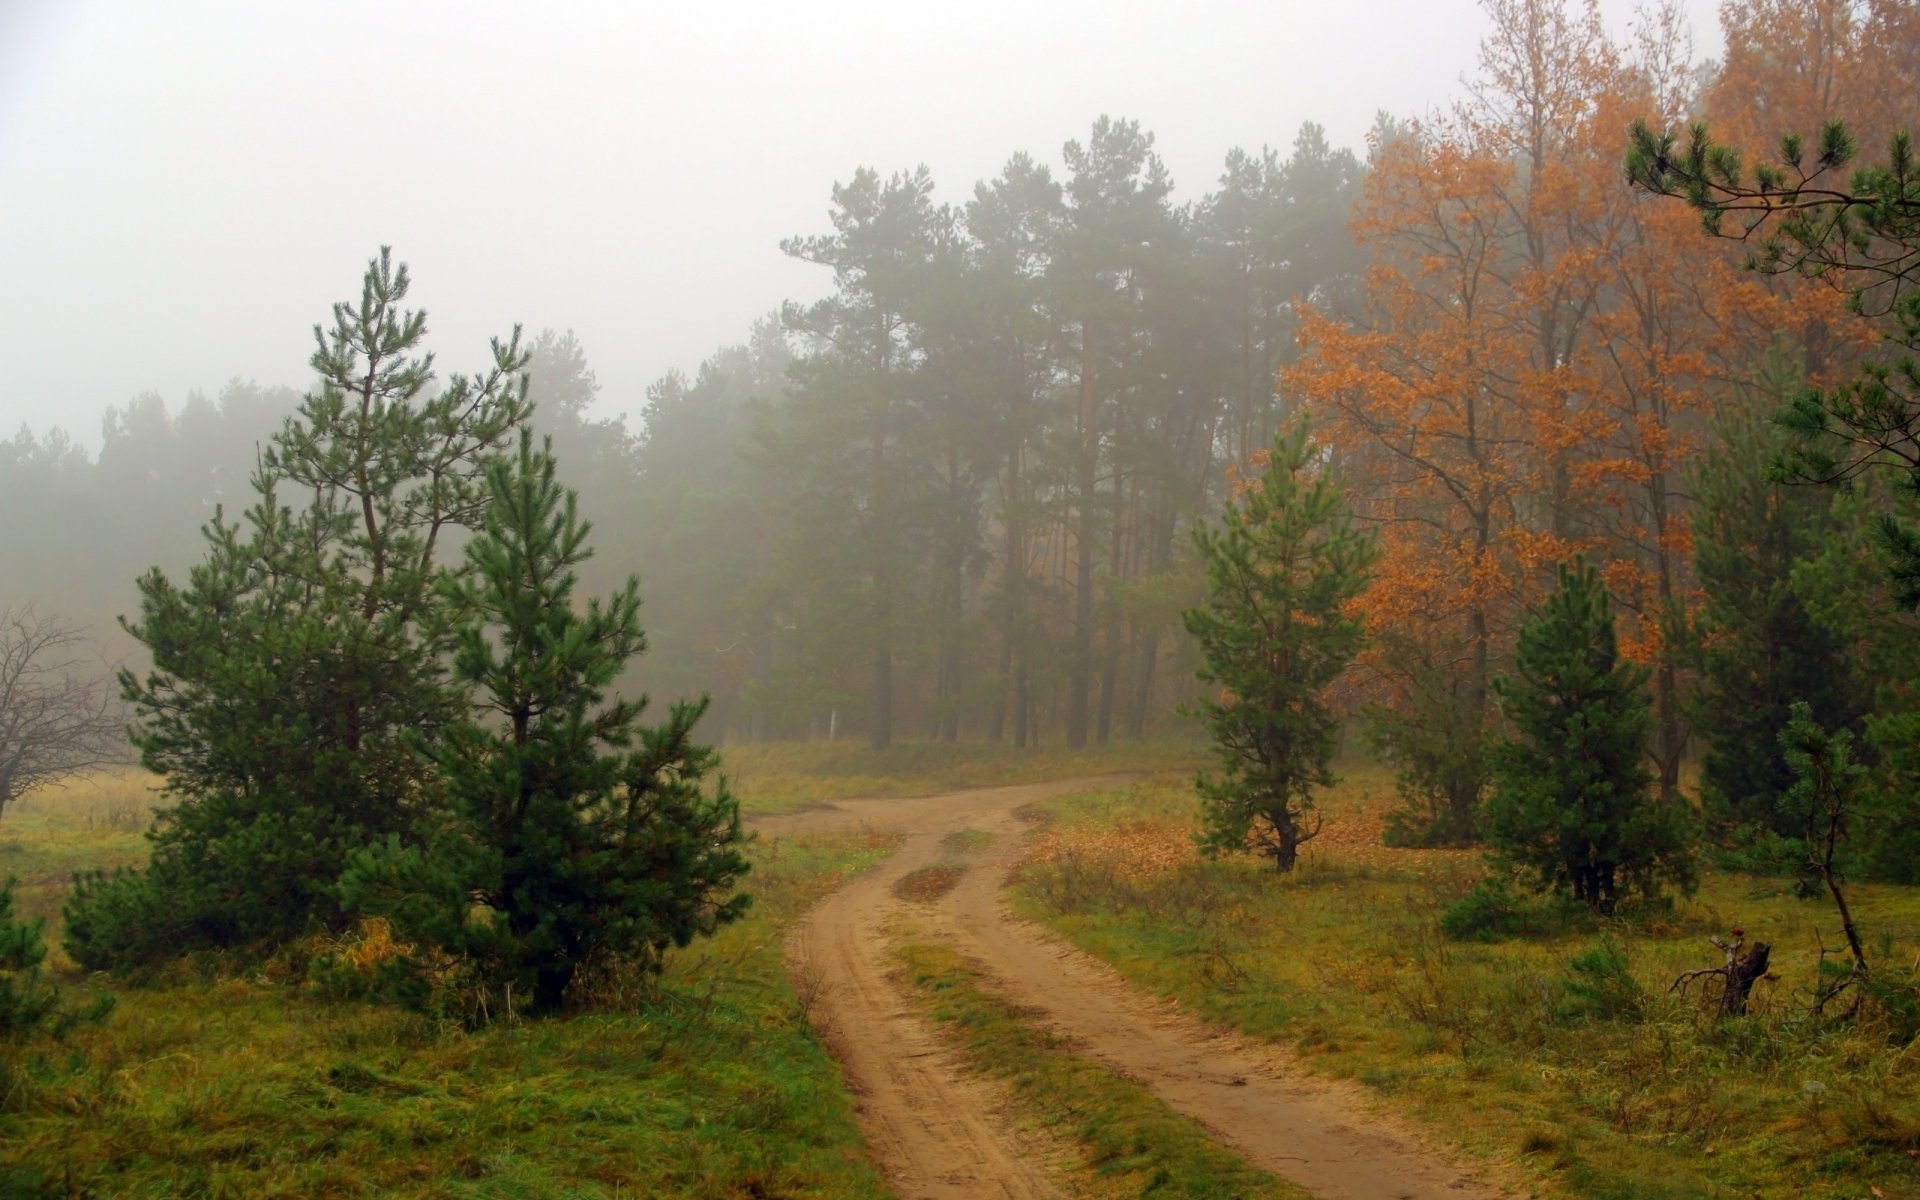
(881, 731)
(1022, 704)
(1146, 662)
(1147, 641)
(997, 721)
(1079, 681)
(1013, 622)
(1111, 635)
(1741, 976)
(1286, 845)
(881, 735)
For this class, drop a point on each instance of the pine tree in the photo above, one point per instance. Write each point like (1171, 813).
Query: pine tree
(1761, 648)
(851, 447)
(1860, 234)
(576, 836)
(303, 662)
(1572, 801)
(29, 1001)
(1276, 630)
(1117, 227)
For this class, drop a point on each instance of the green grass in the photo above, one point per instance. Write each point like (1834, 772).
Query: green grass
(712, 1085)
(98, 821)
(1130, 1143)
(1493, 1042)
(778, 777)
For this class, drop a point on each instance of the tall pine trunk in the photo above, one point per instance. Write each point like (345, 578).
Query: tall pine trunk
(1013, 614)
(1079, 681)
(881, 734)
(1111, 635)
(881, 731)
(1147, 641)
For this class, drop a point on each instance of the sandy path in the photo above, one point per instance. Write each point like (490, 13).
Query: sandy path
(934, 1130)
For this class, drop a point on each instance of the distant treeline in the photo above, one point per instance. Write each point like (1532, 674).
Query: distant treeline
(953, 498)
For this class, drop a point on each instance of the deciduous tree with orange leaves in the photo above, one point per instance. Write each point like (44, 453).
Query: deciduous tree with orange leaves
(1538, 353)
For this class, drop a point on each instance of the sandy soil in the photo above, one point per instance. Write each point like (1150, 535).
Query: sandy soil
(938, 1133)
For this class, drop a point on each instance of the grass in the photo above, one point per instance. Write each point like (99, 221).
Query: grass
(929, 883)
(710, 1084)
(1535, 1050)
(50, 834)
(779, 777)
(1130, 1143)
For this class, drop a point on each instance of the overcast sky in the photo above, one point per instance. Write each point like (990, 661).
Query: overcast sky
(185, 187)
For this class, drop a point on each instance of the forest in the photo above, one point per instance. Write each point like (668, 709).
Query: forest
(951, 498)
(1531, 492)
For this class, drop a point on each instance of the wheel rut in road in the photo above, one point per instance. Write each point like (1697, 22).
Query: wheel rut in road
(937, 1132)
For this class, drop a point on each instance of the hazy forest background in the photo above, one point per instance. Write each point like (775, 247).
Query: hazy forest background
(951, 498)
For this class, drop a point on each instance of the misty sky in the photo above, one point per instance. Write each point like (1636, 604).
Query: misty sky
(185, 187)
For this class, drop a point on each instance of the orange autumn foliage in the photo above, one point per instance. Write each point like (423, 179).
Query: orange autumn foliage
(1540, 351)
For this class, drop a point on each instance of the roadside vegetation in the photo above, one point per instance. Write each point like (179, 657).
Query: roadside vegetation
(1129, 1142)
(1557, 1046)
(705, 1082)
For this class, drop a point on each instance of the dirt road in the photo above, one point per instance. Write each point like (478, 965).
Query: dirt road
(937, 1133)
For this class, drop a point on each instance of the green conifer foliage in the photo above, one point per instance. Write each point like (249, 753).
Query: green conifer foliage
(575, 835)
(302, 662)
(1761, 646)
(1275, 631)
(30, 1002)
(1572, 803)
(26, 1000)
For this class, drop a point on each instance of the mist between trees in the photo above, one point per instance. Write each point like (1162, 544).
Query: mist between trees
(954, 497)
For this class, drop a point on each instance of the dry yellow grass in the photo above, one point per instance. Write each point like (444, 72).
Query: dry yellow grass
(1627, 1094)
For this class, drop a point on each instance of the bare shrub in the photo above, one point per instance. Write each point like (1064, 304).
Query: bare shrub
(59, 716)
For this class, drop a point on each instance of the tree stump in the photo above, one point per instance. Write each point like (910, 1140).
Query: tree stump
(1742, 973)
(1744, 967)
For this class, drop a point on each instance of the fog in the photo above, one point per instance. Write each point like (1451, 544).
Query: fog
(184, 188)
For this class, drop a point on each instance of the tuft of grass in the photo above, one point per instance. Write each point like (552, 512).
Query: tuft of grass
(779, 777)
(929, 883)
(1562, 1047)
(709, 1083)
(1131, 1143)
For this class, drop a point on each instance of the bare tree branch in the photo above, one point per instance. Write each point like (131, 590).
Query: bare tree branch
(59, 715)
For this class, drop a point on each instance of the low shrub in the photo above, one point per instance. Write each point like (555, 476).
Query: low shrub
(1600, 986)
(30, 1003)
(1491, 911)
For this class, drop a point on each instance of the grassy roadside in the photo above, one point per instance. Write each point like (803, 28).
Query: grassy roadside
(87, 823)
(781, 777)
(1562, 1051)
(1130, 1142)
(713, 1086)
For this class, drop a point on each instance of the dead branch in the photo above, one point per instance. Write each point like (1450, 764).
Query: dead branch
(1744, 966)
(1858, 972)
